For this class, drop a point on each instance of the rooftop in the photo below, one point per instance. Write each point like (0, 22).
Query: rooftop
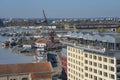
(111, 37)
(42, 68)
(42, 40)
(93, 49)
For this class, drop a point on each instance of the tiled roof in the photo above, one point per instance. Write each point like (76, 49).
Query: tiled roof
(41, 76)
(42, 68)
(42, 40)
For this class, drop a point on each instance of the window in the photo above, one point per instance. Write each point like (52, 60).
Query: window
(105, 59)
(111, 68)
(86, 74)
(73, 55)
(91, 76)
(118, 76)
(100, 78)
(112, 76)
(105, 66)
(95, 71)
(100, 72)
(118, 61)
(86, 55)
(76, 50)
(118, 69)
(95, 57)
(90, 56)
(76, 56)
(100, 65)
(68, 48)
(90, 69)
(82, 70)
(81, 58)
(81, 64)
(95, 77)
(73, 49)
(24, 78)
(79, 69)
(90, 62)
(86, 62)
(100, 58)
(105, 74)
(112, 61)
(95, 64)
(12, 79)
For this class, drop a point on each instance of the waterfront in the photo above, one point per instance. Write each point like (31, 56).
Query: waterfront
(7, 57)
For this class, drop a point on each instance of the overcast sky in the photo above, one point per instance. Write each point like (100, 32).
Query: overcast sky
(59, 8)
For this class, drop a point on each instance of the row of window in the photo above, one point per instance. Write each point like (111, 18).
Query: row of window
(75, 56)
(95, 71)
(90, 76)
(21, 79)
(75, 50)
(78, 68)
(75, 77)
(111, 76)
(99, 58)
(95, 64)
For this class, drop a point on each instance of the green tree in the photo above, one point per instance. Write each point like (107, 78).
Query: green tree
(37, 31)
(100, 29)
(118, 30)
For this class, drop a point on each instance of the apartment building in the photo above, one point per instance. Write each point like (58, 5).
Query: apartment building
(88, 65)
(93, 57)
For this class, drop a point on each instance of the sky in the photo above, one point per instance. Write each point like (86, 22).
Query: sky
(59, 8)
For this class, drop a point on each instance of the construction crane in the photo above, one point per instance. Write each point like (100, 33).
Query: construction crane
(51, 32)
(45, 21)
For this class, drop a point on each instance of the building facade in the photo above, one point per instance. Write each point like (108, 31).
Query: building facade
(93, 56)
(64, 63)
(64, 59)
(85, 65)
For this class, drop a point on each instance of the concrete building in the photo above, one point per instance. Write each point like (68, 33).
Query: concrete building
(64, 59)
(42, 43)
(93, 57)
(64, 63)
(26, 71)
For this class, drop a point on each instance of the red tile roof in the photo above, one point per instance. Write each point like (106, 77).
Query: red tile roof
(44, 68)
(42, 40)
(43, 76)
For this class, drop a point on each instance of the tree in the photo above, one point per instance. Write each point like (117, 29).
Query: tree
(37, 31)
(100, 29)
(118, 30)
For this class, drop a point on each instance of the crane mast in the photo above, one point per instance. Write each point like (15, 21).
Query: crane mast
(45, 19)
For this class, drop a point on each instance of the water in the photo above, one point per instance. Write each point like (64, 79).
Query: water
(7, 57)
